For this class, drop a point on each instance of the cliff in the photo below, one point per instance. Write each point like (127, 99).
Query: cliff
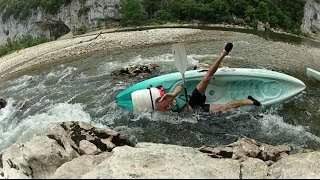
(81, 15)
(70, 19)
(311, 19)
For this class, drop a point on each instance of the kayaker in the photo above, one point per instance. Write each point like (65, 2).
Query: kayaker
(170, 102)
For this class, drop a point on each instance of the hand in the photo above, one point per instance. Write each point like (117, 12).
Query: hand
(168, 98)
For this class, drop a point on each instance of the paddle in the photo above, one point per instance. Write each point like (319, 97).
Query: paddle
(181, 62)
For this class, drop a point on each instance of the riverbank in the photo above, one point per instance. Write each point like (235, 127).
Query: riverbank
(112, 40)
(71, 48)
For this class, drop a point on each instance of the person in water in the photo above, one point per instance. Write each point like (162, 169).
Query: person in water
(164, 102)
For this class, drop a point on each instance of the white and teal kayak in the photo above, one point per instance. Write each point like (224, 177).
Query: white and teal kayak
(313, 74)
(268, 87)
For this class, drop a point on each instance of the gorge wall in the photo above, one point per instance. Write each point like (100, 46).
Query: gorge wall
(70, 18)
(93, 13)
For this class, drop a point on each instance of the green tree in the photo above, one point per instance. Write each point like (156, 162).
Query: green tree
(152, 6)
(162, 16)
(238, 7)
(250, 13)
(219, 11)
(262, 12)
(132, 12)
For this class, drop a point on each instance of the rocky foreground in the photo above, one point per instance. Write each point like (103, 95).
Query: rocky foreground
(75, 150)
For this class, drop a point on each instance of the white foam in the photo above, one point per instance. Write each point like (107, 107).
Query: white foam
(23, 130)
(273, 125)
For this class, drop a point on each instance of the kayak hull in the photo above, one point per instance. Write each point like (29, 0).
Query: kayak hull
(313, 74)
(228, 84)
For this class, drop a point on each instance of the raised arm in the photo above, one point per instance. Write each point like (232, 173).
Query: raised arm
(176, 91)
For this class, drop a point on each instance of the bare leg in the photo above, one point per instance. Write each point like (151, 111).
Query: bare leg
(202, 86)
(230, 105)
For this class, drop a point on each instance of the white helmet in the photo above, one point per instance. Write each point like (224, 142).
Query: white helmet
(145, 99)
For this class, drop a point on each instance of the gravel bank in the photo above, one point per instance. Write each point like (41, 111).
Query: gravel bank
(74, 47)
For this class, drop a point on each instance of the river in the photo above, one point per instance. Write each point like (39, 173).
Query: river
(84, 90)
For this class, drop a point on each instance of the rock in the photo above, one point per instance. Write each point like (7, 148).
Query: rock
(297, 166)
(273, 153)
(244, 148)
(136, 70)
(310, 22)
(87, 147)
(56, 156)
(158, 161)
(253, 168)
(37, 158)
(79, 166)
(261, 26)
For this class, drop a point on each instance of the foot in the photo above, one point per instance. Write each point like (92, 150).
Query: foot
(255, 102)
(228, 47)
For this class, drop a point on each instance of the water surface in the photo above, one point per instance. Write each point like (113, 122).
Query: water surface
(84, 90)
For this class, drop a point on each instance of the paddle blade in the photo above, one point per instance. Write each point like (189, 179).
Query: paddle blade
(180, 57)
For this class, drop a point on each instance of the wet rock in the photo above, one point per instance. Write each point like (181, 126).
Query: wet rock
(136, 70)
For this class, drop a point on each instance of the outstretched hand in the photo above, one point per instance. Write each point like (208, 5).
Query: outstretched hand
(169, 98)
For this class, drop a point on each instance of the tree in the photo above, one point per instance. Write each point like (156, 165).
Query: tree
(250, 13)
(152, 6)
(132, 12)
(219, 11)
(262, 12)
(238, 7)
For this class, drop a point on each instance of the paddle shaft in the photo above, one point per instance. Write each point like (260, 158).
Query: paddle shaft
(181, 63)
(184, 86)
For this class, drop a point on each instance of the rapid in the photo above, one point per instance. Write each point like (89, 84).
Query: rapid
(84, 90)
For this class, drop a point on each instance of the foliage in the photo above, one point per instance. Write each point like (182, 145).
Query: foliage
(80, 30)
(24, 42)
(162, 16)
(285, 14)
(132, 12)
(21, 9)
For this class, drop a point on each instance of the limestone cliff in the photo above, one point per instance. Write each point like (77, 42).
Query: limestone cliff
(70, 18)
(311, 19)
(88, 14)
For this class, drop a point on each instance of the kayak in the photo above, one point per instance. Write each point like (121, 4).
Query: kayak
(313, 74)
(228, 84)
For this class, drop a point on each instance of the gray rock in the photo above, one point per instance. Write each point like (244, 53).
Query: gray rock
(79, 166)
(156, 161)
(253, 168)
(37, 158)
(297, 166)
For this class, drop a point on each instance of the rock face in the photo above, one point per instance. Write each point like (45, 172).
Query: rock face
(43, 155)
(311, 19)
(88, 14)
(75, 150)
(69, 19)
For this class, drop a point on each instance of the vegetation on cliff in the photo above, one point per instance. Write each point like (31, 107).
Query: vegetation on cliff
(21, 9)
(283, 14)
